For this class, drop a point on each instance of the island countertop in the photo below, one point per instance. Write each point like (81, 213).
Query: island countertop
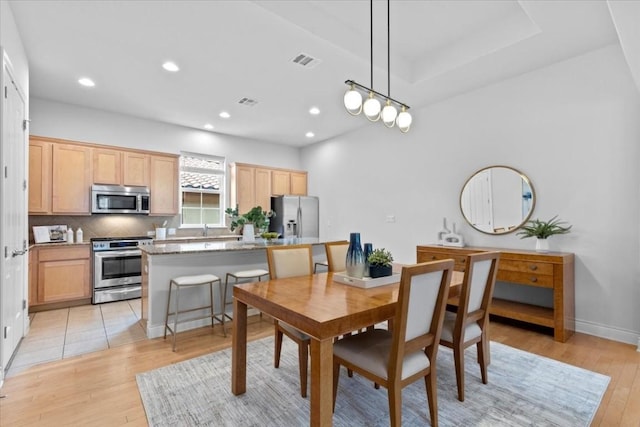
(224, 246)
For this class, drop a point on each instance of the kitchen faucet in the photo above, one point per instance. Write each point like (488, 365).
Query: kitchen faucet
(205, 230)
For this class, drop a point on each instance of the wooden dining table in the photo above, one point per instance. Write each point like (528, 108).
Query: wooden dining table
(322, 309)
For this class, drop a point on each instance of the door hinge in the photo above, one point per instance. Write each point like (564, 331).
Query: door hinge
(24, 185)
(6, 251)
(6, 172)
(24, 304)
(6, 332)
(24, 124)
(5, 92)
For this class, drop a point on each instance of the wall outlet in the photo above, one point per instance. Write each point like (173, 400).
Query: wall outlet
(390, 218)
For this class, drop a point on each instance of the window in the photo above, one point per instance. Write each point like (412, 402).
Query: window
(202, 184)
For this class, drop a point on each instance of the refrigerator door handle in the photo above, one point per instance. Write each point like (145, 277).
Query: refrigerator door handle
(299, 219)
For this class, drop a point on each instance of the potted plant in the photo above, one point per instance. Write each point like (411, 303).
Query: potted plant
(380, 263)
(258, 218)
(542, 230)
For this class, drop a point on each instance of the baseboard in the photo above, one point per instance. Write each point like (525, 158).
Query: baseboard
(608, 332)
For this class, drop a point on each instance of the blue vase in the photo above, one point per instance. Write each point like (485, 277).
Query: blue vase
(355, 261)
(368, 248)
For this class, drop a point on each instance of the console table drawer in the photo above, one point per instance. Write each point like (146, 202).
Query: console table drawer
(459, 260)
(526, 266)
(541, 280)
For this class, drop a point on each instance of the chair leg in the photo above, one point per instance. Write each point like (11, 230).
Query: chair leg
(278, 347)
(432, 396)
(394, 393)
(458, 358)
(336, 377)
(303, 361)
(213, 310)
(175, 317)
(166, 318)
(223, 303)
(483, 357)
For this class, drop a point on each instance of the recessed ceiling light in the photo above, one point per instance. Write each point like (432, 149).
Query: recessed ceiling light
(225, 115)
(208, 126)
(314, 110)
(170, 66)
(309, 134)
(86, 82)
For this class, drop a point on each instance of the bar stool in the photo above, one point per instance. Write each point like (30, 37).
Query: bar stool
(246, 274)
(188, 282)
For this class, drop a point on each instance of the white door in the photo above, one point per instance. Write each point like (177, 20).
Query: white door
(13, 209)
(477, 201)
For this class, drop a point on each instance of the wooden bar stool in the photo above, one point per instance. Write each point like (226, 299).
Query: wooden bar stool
(184, 282)
(238, 275)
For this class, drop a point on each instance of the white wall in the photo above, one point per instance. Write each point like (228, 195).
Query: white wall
(572, 127)
(66, 121)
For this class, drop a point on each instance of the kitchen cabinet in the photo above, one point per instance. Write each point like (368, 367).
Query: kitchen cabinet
(164, 184)
(253, 185)
(552, 271)
(135, 168)
(63, 274)
(33, 276)
(71, 179)
(39, 177)
(118, 167)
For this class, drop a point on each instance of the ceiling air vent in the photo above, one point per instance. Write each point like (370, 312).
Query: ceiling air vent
(305, 60)
(248, 102)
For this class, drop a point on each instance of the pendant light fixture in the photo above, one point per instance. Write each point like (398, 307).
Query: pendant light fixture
(372, 107)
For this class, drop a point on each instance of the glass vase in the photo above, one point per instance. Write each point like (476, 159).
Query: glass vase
(355, 262)
(368, 248)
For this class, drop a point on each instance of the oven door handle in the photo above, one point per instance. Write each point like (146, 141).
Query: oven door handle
(111, 254)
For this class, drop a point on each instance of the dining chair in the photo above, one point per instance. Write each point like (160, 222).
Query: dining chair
(397, 358)
(470, 324)
(291, 261)
(336, 255)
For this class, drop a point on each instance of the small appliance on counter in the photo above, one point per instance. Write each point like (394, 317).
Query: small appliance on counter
(50, 233)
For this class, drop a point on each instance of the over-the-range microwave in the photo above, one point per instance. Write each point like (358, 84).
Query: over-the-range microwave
(118, 199)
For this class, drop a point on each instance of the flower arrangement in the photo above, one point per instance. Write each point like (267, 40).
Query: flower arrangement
(543, 229)
(256, 216)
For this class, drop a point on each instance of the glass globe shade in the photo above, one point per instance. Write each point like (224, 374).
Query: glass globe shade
(372, 108)
(353, 101)
(389, 114)
(404, 121)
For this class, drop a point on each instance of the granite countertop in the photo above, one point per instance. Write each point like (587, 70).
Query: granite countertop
(200, 247)
(57, 244)
(196, 239)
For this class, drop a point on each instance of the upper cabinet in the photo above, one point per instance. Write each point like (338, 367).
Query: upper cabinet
(120, 167)
(61, 174)
(253, 185)
(164, 185)
(59, 177)
(71, 182)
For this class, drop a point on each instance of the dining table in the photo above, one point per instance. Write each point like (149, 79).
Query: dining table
(321, 308)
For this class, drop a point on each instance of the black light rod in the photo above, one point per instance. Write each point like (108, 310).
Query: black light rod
(353, 82)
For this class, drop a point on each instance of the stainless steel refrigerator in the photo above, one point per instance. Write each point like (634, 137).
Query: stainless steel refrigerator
(296, 216)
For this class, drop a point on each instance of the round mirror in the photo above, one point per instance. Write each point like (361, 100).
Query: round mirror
(497, 200)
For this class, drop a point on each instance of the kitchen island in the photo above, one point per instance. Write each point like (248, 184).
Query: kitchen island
(162, 262)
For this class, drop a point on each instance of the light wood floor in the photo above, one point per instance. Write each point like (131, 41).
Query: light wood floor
(99, 389)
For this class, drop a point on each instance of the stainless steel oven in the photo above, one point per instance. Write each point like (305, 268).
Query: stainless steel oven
(117, 268)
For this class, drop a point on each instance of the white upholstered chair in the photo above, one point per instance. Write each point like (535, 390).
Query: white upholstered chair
(291, 261)
(395, 359)
(336, 255)
(470, 324)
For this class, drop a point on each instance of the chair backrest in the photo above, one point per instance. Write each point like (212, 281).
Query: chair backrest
(336, 255)
(289, 261)
(422, 299)
(477, 288)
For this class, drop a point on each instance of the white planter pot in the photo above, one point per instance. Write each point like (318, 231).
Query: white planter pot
(248, 233)
(542, 245)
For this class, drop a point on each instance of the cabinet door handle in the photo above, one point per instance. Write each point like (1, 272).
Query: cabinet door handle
(534, 279)
(533, 267)
(433, 257)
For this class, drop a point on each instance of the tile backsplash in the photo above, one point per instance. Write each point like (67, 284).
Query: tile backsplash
(114, 225)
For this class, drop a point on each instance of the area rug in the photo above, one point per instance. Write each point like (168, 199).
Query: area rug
(524, 390)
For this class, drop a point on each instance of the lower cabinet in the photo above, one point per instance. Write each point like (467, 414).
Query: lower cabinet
(552, 272)
(60, 275)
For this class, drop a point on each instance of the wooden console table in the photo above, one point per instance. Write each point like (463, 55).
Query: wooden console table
(552, 270)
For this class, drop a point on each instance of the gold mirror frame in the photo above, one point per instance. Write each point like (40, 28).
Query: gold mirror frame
(490, 200)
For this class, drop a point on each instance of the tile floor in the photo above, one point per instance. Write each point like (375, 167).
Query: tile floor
(67, 332)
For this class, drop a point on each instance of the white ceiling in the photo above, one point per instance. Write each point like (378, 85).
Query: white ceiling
(228, 50)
